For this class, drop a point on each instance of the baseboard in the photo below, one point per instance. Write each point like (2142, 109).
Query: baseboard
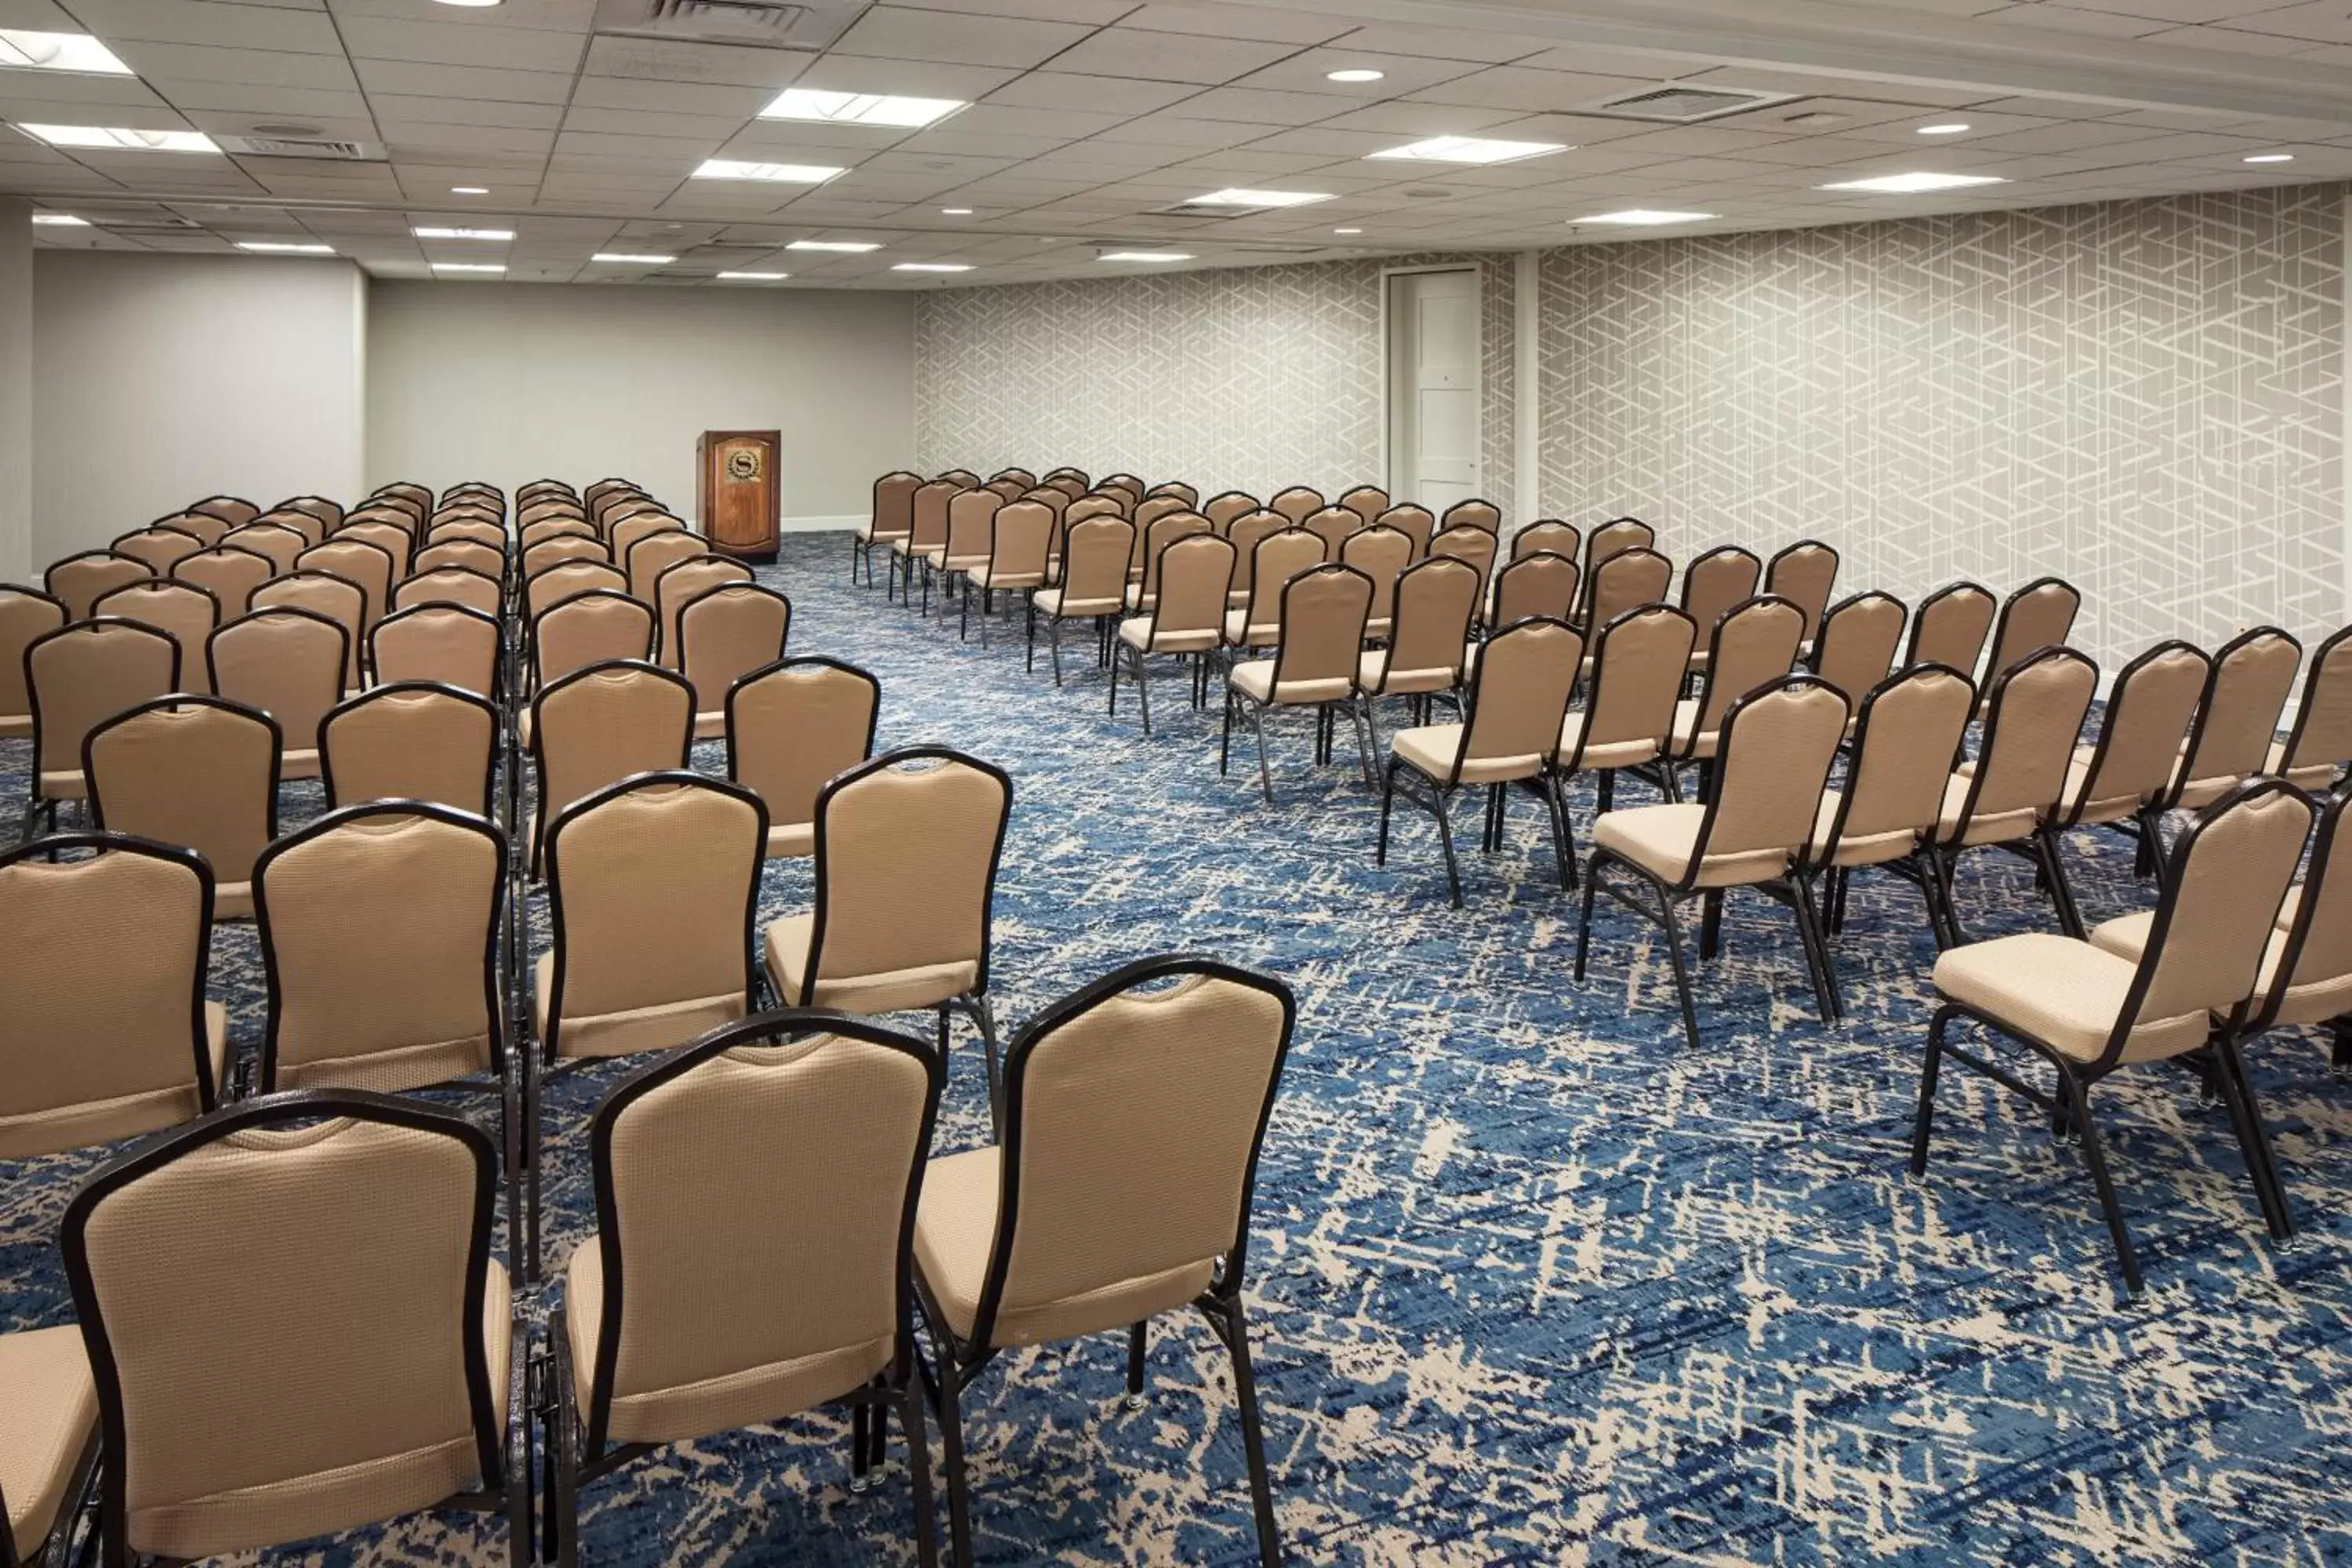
(818, 524)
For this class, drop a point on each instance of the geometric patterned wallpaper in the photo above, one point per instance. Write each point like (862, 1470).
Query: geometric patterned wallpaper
(2144, 397)
(1251, 378)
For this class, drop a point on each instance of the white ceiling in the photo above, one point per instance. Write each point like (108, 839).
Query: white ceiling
(1086, 113)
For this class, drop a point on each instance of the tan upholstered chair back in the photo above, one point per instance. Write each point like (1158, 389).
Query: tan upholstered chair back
(1180, 490)
(1366, 501)
(1549, 533)
(588, 627)
(1542, 584)
(1222, 510)
(356, 562)
(338, 599)
(472, 555)
(203, 524)
(931, 513)
(1094, 559)
(229, 574)
(2214, 921)
(1805, 573)
(102, 982)
(1195, 574)
(759, 1193)
(1333, 525)
(1711, 585)
(303, 522)
(328, 513)
(597, 726)
(1323, 615)
(906, 864)
(683, 581)
(1297, 503)
(1416, 522)
(1435, 602)
(559, 583)
(277, 545)
(1483, 514)
(1778, 745)
(231, 509)
(1091, 506)
(1128, 482)
(1951, 626)
(1638, 663)
(1020, 537)
(1131, 1140)
(84, 674)
(160, 548)
(1164, 532)
(2036, 617)
(970, 514)
(894, 504)
(554, 530)
(727, 632)
(2147, 717)
(25, 615)
(637, 528)
(411, 741)
(1614, 536)
(1053, 500)
(395, 542)
(651, 556)
(447, 643)
(1526, 672)
(2029, 742)
(1071, 483)
(2323, 721)
(450, 585)
(195, 772)
(1910, 730)
(1279, 557)
(406, 996)
(329, 1310)
(1246, 533)
(1753, 646)
(1627, 579)
(78, 581)
(288, 663)
(1151, 508)
(1380, 554)
(1003, 489)
(2317, 973)
(181, 611)
(1855, 643)
(2247, 690)
(653, 882)
(1475, 545)
(796, 724)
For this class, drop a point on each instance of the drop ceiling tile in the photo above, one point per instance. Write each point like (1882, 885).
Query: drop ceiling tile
(1176, 130)
(38, 15)
(898, 33)
(64, 100)
(954, 140)
(1265, 107)
(1117, 96)
(2320, 21)
(1804, 84)
(2232, 40)
(204, 22)
(637, 122)
(706, 64)
(910, 79)
(401, 109)
(269, 102)
(458, 44)
(414, 79)
(1169, 57)
(2067, 19)
(1237, 22)
(408, 138)
(162, 65)
(1443, 43)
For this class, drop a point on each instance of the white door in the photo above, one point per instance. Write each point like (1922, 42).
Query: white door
(1433, 387)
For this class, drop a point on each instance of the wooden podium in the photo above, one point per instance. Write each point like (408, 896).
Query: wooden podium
(735, 490)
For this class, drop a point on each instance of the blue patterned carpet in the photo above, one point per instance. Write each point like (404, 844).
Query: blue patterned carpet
(1534, 1281)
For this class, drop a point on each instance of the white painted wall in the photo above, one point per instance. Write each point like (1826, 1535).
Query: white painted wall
(15, 389)
(162, 379)
(510, 382)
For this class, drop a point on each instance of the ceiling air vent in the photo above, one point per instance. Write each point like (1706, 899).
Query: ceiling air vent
(1687, 105)
(809, 25)
(302, 147)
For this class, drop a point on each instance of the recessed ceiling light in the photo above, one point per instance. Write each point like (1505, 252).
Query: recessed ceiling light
(1354, 73)
(470, 190)
(469, 2)
(858, 108)
(854, 245)
(1145, 256)
(1644, 218)
(1241, 198)
(787, 173)
(61, 220)
(633, 259)
(955, 212)
(1469, 150)
(1346, 231)
(1912, 185)
(118, 139)
(23, 51)
(469, 266)
(1815, 117)
(930, 267)
(463, 233)
(2271, 158)
(755, 276)
(1948, 128)
(284, 248)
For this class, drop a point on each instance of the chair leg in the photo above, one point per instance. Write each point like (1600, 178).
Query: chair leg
(1226, 740)
(1137, 1343)
(1143, 686)
(1388, 804)
(2062, 894)
(1053, 641)
(1269, 1540)
(859, 1414)
(1355, 717)
(1711, 923)
(1929, 1069)
(1561, 850)
(1264, 776)
(950, 1408)
(1113, 710)
(564, 1457)
(1445, 841)
(1817, 951)
(2093, 1155)
(1682, 974)
(918, 1460)
(1593, 870)
(2246, 1118)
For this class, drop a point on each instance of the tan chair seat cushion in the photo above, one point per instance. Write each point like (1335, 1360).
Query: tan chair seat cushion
(52, 1414)
(1240, 632)
(392, 1071)
(303, 764)
(2064, 993)
(1616, 755)
(2317, 776)
(657, 1027)
(752, 1395)
(1687, 744)
(1254, 680)
(1660, 838)
(955, 1229)
(65, 784)
(1997, 827)
(98, 1122)
(999, 581)
(792, 838)
(2309, 1003)
(965, 562)
(232, 900)
(867, 530)
(926, 985)
(710, 726)
(1431, 748)
(1054, 603)
(1400, 682)
(1139, 633)
(16, 726)
(1863, 849)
